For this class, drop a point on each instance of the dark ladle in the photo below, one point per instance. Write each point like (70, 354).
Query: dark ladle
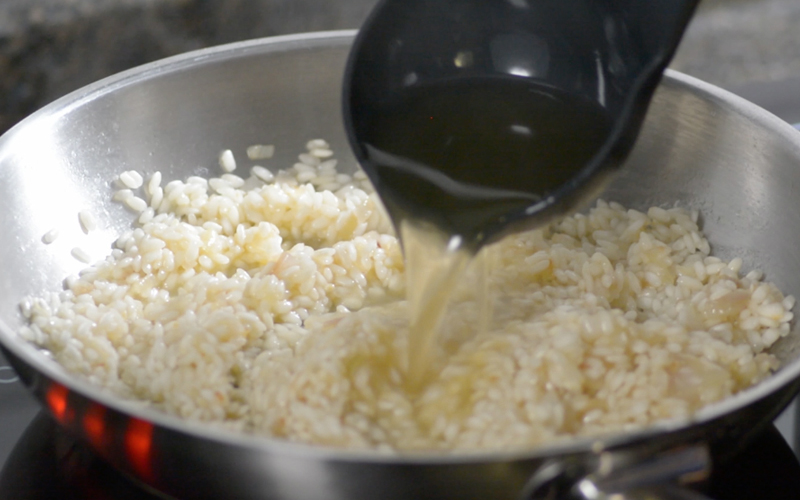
(607, 53)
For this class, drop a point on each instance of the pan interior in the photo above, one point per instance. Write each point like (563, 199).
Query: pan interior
(700, 148)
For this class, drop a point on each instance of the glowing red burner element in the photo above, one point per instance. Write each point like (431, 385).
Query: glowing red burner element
(138, 446)
(56, 398)
(94, 425)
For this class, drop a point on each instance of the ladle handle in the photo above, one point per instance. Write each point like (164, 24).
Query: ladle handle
(624, 475)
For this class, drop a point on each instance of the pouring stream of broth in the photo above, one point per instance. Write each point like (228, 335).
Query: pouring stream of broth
(452, 153)
(477, 119)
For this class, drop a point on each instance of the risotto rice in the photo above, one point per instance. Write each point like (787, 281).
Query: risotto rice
(273, 305)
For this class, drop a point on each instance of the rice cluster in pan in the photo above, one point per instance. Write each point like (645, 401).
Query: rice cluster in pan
(274, 305)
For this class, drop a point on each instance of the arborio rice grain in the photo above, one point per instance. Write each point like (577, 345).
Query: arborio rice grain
(272, 307)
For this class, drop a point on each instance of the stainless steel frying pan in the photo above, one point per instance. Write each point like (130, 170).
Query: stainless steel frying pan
(701, 147)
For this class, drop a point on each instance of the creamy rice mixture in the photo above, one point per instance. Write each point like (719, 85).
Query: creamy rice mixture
(274, 305)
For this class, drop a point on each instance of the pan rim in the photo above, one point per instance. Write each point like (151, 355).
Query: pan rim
(36, 357)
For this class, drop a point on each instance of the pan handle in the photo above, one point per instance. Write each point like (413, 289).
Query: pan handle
(624, 475)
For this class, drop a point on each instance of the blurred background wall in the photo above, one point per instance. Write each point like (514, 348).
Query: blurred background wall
(51, 47)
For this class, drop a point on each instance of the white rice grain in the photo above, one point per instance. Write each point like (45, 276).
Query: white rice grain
(122, 195)
(135, 203)
(87, 221)
(156, 197)
(154, 182)
(262, 173)
(50, 236)
(321, 153)
(226, 161)
(260, 151)
(317, 144)
(81, 255)
(131, 179)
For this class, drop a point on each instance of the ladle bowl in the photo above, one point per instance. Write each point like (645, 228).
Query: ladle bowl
(610, 53)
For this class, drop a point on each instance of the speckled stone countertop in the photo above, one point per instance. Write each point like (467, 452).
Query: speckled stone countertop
(736, 42)
(51, 47)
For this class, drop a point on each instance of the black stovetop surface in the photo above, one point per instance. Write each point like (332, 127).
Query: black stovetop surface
(39, 461)
(47, 463)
